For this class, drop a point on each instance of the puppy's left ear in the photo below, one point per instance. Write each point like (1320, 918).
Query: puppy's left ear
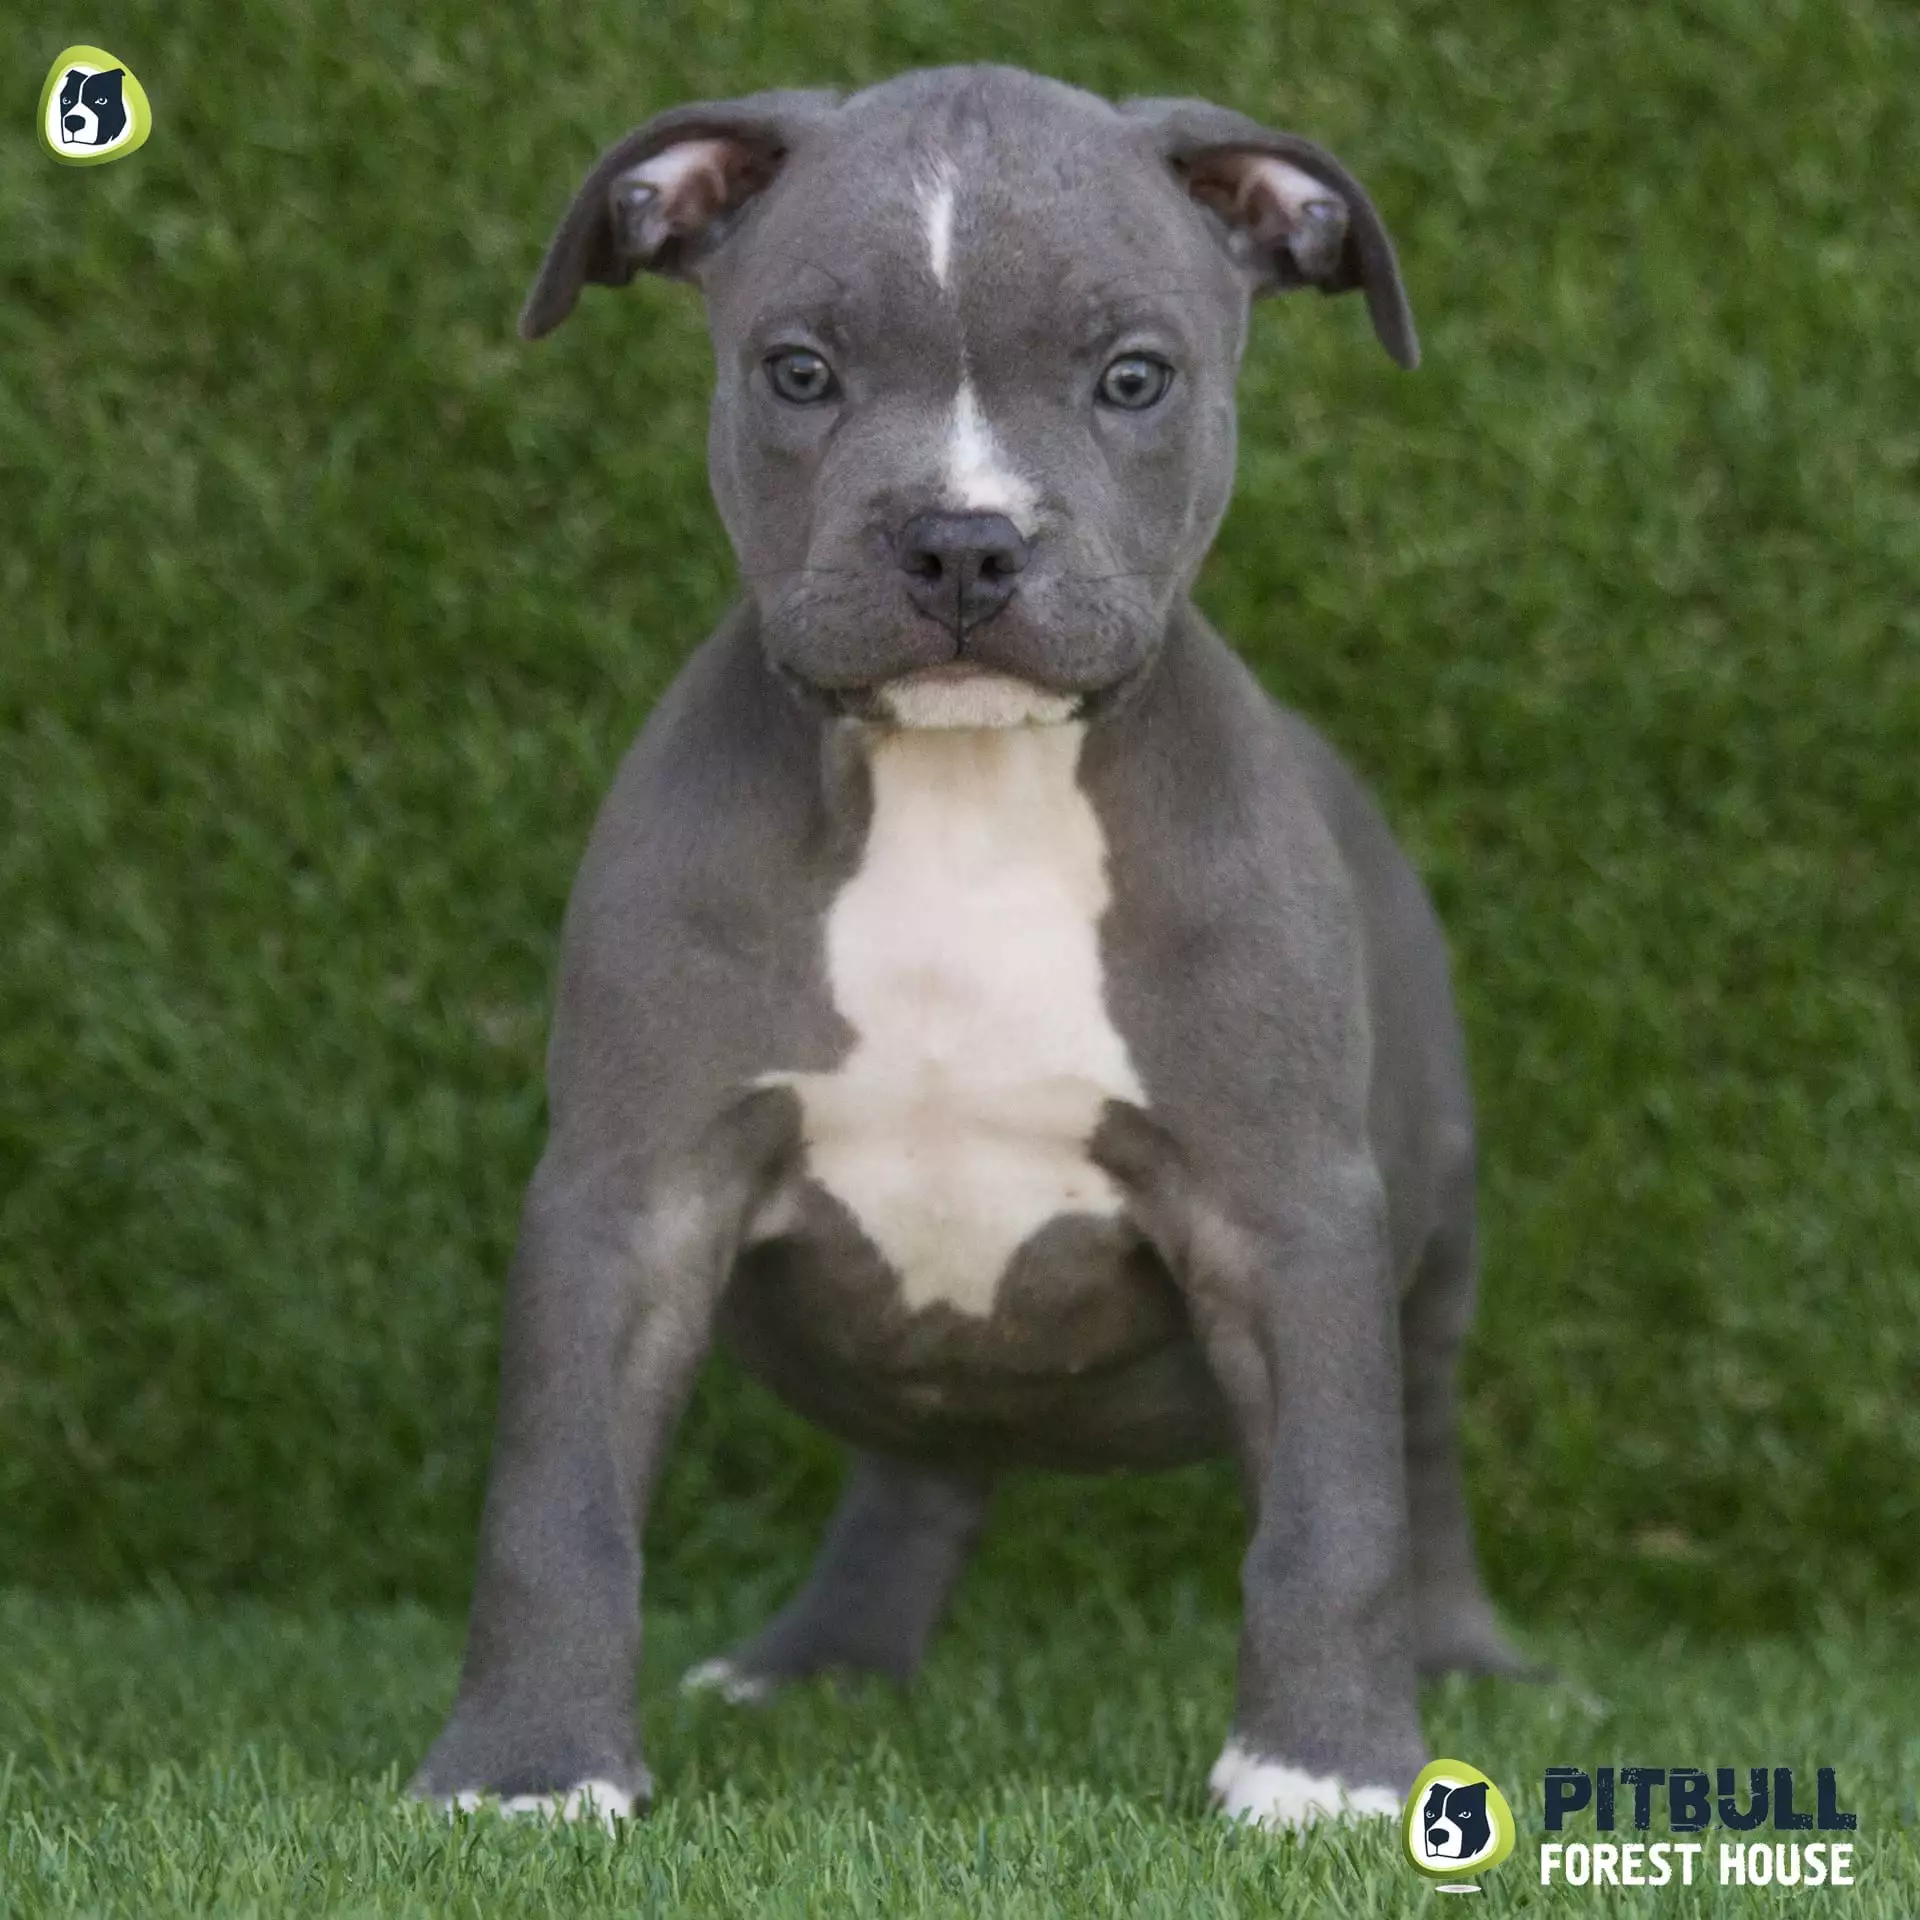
(1292, 215)
(661, 199)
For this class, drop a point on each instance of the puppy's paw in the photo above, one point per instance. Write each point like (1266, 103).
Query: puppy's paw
(597, 1800)
(732, 1683)
(1276, 1796)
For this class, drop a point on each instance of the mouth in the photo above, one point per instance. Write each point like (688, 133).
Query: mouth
(946, 673)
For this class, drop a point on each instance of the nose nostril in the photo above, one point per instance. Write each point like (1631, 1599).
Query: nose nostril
(961, 567)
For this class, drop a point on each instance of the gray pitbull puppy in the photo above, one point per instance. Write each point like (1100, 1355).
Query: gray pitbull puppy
(981, 1006)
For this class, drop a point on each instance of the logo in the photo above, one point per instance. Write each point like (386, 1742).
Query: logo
(92, 109)
(1456, 1821)
(1696, 1800)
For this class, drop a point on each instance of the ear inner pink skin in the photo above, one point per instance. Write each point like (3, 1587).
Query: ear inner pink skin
(1275, 204)
(682, 188)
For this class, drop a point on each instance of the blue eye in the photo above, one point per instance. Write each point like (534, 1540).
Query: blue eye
(1135, 382)
(799, 376)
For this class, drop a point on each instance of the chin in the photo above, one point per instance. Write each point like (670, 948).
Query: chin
(961, 695)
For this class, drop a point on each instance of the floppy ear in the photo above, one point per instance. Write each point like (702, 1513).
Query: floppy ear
(1293, 215)
(663, 197)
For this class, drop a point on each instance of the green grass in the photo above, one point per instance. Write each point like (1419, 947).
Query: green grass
(169, 1760)
(326, 609)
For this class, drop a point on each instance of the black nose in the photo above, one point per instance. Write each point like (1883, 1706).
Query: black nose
(961, 568)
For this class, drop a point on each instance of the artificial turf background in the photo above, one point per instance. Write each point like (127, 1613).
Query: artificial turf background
(170, 1760)
(326, 609)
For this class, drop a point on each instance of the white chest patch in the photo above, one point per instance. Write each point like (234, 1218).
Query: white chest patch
(965, 955)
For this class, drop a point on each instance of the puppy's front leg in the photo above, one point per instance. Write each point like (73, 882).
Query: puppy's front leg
(1293, 1302)
(610, 1302)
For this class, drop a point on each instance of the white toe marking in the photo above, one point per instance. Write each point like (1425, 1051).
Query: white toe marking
(1271, 1794)
(979, 480)
(936, 213)
(964, 952)
(1226, 1770)
(591, 1800)
(937, 699)
(721, 1676)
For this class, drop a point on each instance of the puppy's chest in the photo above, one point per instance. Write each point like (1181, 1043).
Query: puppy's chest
(964, 954)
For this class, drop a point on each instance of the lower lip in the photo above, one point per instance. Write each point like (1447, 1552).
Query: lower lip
(948, 673)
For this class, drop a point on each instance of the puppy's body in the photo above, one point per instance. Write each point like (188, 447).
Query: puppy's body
(890, 1285)
(981, 1006)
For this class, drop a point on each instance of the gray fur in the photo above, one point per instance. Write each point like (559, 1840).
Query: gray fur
(1291, 1273)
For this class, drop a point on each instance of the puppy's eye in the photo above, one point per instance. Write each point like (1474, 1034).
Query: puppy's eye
(1135, 382)
(799, 375)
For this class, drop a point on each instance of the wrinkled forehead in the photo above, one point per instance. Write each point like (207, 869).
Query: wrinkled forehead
(1046, 223)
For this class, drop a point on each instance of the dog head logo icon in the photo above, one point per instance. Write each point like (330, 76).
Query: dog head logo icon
(92, 109)
(1456, 1823)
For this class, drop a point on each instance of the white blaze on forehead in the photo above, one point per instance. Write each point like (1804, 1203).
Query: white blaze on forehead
(965, 954)
(979, 477)
(936, 190)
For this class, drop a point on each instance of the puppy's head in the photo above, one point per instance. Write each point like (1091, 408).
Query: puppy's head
(976, 337)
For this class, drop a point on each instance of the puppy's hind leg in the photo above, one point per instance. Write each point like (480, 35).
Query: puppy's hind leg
(893, 1553)
(1455, 1627)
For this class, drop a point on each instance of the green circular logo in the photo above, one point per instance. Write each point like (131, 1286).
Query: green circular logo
(1456, 1823)
(92, 109)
